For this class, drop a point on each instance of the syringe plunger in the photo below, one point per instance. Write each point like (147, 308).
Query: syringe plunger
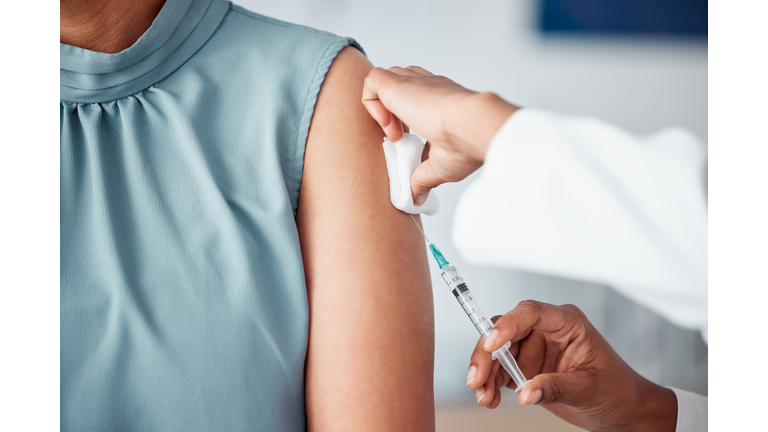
(510, 365)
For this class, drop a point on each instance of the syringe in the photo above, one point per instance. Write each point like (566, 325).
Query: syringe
(475, 313)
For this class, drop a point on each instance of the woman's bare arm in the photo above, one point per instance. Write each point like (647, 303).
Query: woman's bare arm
(371, 331)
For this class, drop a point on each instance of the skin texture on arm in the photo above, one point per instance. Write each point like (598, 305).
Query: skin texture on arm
(370, 358)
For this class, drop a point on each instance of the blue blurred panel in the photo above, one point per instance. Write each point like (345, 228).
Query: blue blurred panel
(652, 17)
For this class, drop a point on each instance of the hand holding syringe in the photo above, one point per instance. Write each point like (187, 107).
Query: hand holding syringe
(471, 307)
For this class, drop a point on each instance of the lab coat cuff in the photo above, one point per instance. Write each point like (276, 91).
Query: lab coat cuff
(692, 411)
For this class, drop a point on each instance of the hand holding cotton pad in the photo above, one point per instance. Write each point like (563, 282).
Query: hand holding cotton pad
(403, 157)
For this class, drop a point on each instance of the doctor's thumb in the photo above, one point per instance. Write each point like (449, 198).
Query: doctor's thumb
(423, 180)
(566, 388)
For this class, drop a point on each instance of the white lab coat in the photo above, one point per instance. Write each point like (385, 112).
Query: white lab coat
(579, 198)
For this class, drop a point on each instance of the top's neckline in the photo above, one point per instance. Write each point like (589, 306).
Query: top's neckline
(180, 29)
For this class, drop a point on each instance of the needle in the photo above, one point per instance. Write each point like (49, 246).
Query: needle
(422, 232)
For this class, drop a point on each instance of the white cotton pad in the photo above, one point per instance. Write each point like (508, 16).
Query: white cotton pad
(403, 157)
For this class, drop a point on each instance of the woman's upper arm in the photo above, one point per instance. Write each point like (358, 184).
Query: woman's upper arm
(371, 331)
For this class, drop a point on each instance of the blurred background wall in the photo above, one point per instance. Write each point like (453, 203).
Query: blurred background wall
(641, 83)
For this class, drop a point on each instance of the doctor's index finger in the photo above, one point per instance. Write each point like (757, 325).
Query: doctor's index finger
(420, 70)
(408, 71)
(379, 82)
(376, 82)
(553, 321)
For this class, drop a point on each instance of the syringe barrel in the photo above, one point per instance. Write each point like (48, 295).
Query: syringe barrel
(467, 301)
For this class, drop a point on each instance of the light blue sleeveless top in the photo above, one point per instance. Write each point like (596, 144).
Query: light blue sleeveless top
(183, 300)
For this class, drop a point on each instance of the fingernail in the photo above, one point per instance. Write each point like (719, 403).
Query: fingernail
(480, 394)
(472, 375)
(491, 338)
(534, 398)
(421, 198)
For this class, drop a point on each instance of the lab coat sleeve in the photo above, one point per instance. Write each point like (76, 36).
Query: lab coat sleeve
(692, 411)
(579, 198)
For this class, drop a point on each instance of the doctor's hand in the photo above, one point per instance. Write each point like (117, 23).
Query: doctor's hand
(576, 374)
(458, 123)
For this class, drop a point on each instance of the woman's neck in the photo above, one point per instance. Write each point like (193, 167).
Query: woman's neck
(108, 26)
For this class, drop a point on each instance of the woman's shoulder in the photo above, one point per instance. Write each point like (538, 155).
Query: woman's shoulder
(256, 30)
(257, 21)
